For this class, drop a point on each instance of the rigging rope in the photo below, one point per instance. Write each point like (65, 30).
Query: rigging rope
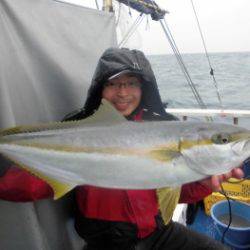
(132, 29)
(229, 211)
(208, 59)
(178, 56)
(97, 5)
(118, 15)
(182, 65)
(228, 198)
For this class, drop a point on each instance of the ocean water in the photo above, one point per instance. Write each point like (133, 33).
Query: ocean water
(231, 70)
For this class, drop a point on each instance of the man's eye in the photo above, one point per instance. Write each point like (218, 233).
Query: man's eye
(109, 84)
(134, 84)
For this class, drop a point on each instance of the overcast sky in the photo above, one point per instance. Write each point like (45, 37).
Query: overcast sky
(225, 25)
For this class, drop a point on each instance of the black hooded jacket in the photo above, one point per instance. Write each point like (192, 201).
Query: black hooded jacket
(117, 230)
(113, 61)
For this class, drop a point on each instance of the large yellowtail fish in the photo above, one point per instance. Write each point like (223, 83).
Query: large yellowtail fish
(106, 150)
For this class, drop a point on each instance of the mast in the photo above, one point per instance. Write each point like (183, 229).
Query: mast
(108, 5)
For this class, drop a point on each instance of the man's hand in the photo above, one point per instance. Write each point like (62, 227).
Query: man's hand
(214, 181)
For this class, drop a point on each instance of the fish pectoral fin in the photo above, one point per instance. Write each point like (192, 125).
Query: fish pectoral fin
(59, 188)
(163, 155)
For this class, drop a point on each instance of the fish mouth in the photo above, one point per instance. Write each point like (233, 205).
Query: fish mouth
(241, 147)
(241, 143)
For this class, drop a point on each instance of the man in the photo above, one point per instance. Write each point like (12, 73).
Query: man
(132, 219)
(124, 219)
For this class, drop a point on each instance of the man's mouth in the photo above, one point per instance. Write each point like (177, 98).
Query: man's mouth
(122, 105)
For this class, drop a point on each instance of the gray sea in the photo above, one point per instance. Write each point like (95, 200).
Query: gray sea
(231, 71)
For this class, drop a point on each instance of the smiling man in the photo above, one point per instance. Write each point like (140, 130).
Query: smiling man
(135, 219)
(123, 91)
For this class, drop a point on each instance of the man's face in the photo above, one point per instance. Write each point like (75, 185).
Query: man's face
(124, 93)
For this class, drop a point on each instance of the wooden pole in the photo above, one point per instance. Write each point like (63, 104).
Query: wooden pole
(107, 6)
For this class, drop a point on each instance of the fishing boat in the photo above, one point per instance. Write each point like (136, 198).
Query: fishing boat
(49, 50)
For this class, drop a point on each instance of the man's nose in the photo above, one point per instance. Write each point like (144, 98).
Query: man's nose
(123, 89)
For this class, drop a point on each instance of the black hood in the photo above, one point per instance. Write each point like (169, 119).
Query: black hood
(113, 61)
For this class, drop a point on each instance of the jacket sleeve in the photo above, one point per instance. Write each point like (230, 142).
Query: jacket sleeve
(19, 185)
(193, 192)
(4, 165)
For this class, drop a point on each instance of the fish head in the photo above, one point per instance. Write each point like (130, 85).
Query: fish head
(213, 148)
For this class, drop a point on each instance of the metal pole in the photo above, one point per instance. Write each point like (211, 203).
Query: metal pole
(107, 6)
(236, 120)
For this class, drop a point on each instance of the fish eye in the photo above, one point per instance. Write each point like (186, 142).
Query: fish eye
(222, 138)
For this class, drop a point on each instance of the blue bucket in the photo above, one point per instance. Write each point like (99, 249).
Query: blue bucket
(237, 236)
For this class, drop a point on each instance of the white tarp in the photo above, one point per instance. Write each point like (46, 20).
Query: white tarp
(48, 53)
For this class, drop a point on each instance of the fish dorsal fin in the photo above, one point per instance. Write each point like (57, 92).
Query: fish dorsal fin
(106, 114)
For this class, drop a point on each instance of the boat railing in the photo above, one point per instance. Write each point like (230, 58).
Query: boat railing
(235, 114)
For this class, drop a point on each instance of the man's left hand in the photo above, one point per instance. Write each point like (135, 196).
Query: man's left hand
(214, 182)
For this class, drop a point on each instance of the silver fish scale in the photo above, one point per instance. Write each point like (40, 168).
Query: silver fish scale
(126, 134)
(129, 170)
